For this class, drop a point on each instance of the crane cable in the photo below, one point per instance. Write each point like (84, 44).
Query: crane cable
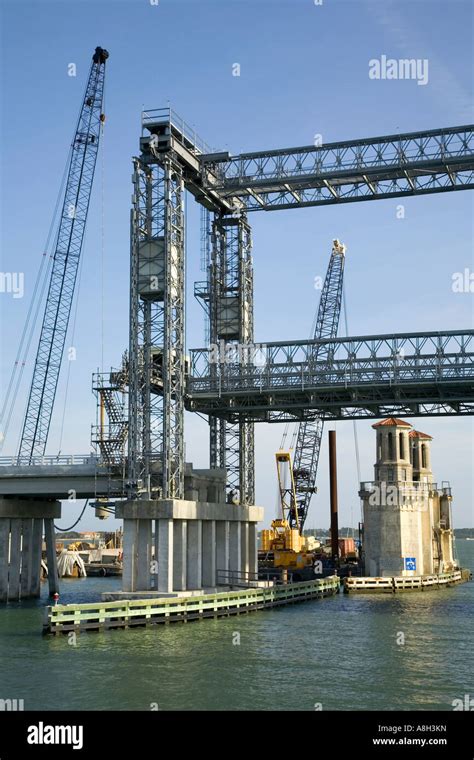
(78, 290)
(287, 425)
(354, 423)
(47, 279)
(102, 220)
(29, 325)
(73, 333)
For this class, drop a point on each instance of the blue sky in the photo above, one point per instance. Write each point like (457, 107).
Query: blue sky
(304, 71)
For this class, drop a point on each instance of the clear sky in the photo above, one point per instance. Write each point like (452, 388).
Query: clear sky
(304, 70)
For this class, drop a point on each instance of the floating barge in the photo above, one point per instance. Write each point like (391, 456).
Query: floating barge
(99, 616)
(400, 583)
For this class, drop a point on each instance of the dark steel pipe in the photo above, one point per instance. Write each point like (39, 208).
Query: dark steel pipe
(333, 495)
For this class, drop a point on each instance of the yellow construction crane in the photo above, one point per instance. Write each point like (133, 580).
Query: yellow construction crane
(285, 542)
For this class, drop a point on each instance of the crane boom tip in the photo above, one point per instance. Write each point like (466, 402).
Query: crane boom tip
(100, 55)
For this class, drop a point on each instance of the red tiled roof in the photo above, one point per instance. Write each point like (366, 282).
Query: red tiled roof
(392, 422)
(419, 434)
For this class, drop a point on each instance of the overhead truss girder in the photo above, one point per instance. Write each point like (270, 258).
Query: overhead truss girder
(366, 376)
(373, 168)
(414, 163)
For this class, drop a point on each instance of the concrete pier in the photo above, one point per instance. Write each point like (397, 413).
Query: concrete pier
(21, 541)
(195, 552)
(180, 555)
(195, 543)
(165, 555)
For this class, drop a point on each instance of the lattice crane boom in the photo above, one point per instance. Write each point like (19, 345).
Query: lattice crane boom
(309, 435)
(67, 252)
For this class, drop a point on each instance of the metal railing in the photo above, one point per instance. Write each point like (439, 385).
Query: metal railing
(48, 460)
(412, 357)
(168, 116)
(250, 579)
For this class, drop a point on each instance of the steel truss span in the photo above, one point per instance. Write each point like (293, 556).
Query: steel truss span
(367, 377)
(414, 163)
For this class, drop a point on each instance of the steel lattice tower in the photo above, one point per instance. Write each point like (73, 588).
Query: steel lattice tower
(156, 369)
(231, 325)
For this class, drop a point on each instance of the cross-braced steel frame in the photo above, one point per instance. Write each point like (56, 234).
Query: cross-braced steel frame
(157, 348)
(231, 322)
(359, 377)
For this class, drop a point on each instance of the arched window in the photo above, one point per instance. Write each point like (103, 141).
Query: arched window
(379, 447)
(424, 458)
(401, 441)
(415, 457)
(390, 446)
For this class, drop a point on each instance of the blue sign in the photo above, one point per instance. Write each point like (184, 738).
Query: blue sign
(410, 563)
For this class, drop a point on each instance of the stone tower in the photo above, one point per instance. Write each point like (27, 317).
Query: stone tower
(407, 517)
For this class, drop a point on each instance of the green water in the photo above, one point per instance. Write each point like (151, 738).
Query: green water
(341, 652)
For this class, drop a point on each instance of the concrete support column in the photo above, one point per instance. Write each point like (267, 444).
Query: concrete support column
(155, 555)
(208, 553)
(253, 548)
(180, 537)
(235, 549)
(144, 545)
(244, 550)
(36, 549)
(129, 576)
(15, 560)
(26, 556)
(4, 539)
(194, 554)
(165, 555)
(51, 559)
(222, 550)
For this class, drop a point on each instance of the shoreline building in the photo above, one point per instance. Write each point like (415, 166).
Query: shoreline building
(407, 516)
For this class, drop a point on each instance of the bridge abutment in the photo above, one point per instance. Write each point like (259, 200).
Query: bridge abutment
(21, 544)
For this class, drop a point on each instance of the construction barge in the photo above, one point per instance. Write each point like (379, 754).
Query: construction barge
(101, 616)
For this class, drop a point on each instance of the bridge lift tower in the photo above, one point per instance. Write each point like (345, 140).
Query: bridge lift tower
(173, 159)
